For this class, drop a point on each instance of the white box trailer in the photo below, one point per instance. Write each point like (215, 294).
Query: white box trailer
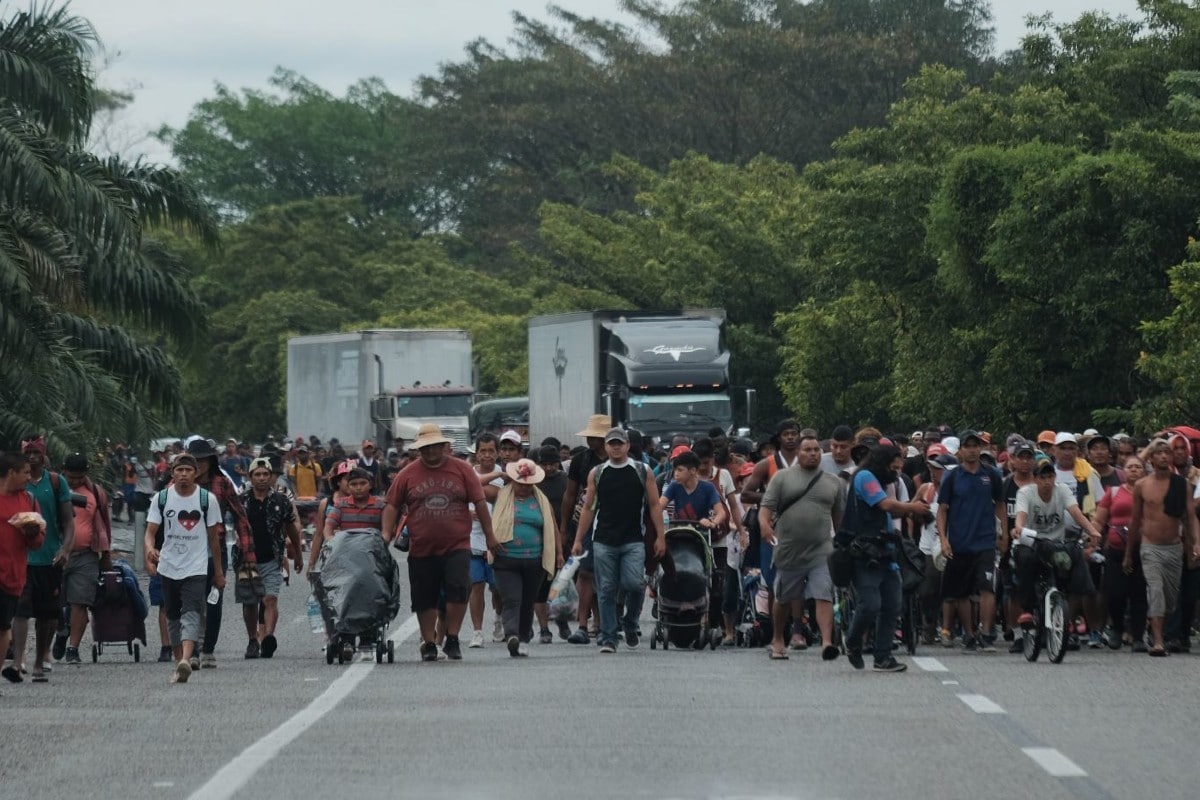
(334, 384)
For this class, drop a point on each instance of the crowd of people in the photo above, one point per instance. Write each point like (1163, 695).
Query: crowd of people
(500, 520)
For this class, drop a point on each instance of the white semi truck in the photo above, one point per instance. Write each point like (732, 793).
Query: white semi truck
(380, 384)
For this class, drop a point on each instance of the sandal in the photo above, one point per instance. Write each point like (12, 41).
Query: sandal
(829, 652)
(778, 655)
(11, 675)
(40, 677)
(1158, 652)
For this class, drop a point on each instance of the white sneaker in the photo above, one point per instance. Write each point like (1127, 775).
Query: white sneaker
(523, 649)
(476, 639)
(498, 632)
(183, 671)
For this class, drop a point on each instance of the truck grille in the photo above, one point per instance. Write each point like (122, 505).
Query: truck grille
(459, 438)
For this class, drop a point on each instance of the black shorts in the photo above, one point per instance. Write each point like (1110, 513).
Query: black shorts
(968, 575)
(428, 576)
(42, 598)
(8, 610)
(543, 595)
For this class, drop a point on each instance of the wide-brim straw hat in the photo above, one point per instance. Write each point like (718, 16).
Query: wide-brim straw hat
(597, 428)
(524, 470)
(428, 435)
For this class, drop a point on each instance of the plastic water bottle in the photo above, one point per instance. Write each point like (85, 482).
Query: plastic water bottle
(402, 540)
(315, 621)
(566, 574)
(214, 596)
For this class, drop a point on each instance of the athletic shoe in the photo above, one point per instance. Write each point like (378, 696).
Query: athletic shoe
(72, 656)
(59, 648)
(498, 631)
(164, 655)
(183, 671)
(855, 658)
(452, 648)
(608, 647)
(269, 645)
(523, 650)
(798, 642)
(947, 638)
(564, 630)
(632, 637)
(429, 651)
(1113, 640)
(514, 644)
(579, 637)
(891, 665)
(987, 644)
(546, 637)
(1094, 641)
(476, 639)
(208, 661)
(252, 649)
(1018, 644)
(1073, 641)
(194, 662)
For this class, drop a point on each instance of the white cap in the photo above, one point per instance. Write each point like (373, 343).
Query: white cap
(951, 444)
(511, 436)
(1063, 437)
(1091, 432)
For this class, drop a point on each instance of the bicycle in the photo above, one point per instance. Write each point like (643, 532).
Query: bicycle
(1051, 617)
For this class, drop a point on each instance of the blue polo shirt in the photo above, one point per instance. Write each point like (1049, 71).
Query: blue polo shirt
(970, 499)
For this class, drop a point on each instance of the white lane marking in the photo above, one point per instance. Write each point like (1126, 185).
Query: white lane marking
(929, 664)
(949, 683)
(238, 772)
(980, 704)
(163, 784)
(311, 680)
(1054, 762)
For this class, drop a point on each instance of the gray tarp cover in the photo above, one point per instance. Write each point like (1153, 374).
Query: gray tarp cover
(361, 581)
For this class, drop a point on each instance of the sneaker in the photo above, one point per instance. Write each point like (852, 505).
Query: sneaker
(632, 637)
(608, 647)
(947, 638)
(72, 656)
(514, 644)
(252, 649)
(194, 662)
(1138, 647)
(971, 645)
(798, 642)
(564, 631)
(1172, 646)
(523, 650)
(545, 637)
(1073, 642)
(891, 665)
(855, 658)
(183, 671)
(579, 637)
(429, 651)
(1114, 640)
(476, 639)
(498, 631)
(1018, 644)
(269, 645)
(208, 661)
(59, 648)
(452, 648)
(594, 632)
(987, 644)
(164, 655)
(1094, 641)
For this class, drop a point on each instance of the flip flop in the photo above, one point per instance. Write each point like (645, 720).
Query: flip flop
(1157, 652)
(11, 675)
(778, 655)
(40, 677)
(829, 652)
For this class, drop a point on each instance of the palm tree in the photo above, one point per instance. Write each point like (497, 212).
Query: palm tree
(90, 304)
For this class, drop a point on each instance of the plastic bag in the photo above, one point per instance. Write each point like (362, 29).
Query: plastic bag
(565, 606)
(360, 581)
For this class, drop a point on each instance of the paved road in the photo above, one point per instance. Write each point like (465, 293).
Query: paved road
(568, 722)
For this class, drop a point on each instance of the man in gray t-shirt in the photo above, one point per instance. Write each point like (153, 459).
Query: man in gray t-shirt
(803, 539)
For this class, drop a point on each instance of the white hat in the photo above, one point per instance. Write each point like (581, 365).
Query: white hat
(511, 436)
(1063, 437)
(1091, 432)
(951, 444)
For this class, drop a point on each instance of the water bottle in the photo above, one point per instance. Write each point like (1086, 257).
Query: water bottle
(315, 621)
(565, 575)
(214, 596)
(402, 540)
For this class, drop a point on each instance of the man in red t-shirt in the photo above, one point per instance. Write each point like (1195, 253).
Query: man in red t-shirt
(436, 490)
(15, 544)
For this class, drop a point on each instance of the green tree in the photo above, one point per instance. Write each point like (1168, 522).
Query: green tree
(89, 301)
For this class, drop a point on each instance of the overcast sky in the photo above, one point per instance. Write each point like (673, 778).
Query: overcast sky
(172, 52)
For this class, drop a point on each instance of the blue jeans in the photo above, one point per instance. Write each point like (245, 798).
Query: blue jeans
(617, 568)
(877, 597)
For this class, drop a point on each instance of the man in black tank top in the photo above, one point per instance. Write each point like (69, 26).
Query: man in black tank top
(618, 493)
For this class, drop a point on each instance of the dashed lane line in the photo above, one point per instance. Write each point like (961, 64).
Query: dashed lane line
(1054, 762)
(980, 704)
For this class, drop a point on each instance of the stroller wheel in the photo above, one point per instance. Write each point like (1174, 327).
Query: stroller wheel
(329, 653)
(654, 641)
(391, 651)
(715, 637)
(95, 653)
(137, 653)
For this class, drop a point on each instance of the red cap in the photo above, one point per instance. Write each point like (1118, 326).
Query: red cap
(680, 450)
(746, 470)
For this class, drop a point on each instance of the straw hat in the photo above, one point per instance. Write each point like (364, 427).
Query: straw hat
(598, 426)
(524, 470)
(428, 435)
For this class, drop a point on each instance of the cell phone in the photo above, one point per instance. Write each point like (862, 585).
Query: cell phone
(78, 500)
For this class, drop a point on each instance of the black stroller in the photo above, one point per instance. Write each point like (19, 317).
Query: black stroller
(681, 592)
(358, 589)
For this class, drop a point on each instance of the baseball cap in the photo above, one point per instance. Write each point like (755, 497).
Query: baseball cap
(302, 448)
(511, 436)
(76, 462)
(616, 435)
(367, 443)
(944, 461)
(1091, 432)
(1045, 437)
(548, 455)
(746, 470)
(260, 463)
(1022, 446)
(968, 435)
(1063, 437)
(1043, 466)
(679, 450)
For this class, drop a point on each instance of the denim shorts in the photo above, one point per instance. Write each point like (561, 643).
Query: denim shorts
(481, 571)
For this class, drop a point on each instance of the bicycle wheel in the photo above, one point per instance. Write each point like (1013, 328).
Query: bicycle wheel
(910, 623)
(1056, 626)
(1033, 637)
(847, 615)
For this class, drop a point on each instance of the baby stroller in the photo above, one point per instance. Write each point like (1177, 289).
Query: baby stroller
(119, 612)
(754, 611)
(682, 592)
(358, 589)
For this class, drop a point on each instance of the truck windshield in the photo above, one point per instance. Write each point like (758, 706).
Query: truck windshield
(429, 405)
(680, 409)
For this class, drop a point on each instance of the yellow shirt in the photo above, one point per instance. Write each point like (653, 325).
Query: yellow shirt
(304, 478)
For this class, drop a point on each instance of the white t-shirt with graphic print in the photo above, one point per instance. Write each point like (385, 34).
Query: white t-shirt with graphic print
(185, 534)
